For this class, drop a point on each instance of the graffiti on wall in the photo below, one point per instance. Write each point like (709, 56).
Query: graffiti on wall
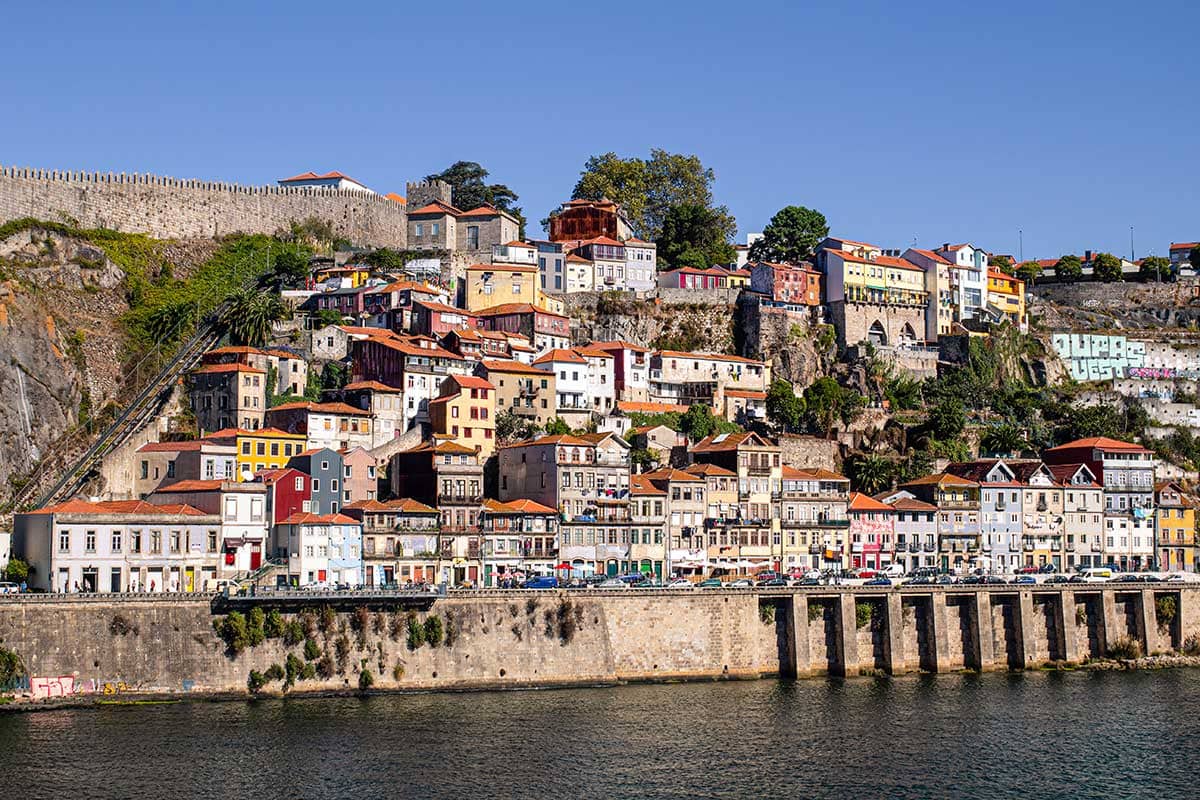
(43, 688)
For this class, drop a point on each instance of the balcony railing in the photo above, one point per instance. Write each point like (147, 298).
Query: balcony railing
(467, 499)
(758, 469)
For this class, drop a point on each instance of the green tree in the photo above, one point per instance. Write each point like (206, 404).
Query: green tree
(1106, 267)
(698, 421)
(386, 259)
(870, 473)
(1003, 440)
(250, 314)
(694, 236)
(1029, 271)
(1004, 264)
(557, 427)
(291, 269)
(784, 408)
(512, 427)
(791, 236)
(1069, 268)
(1155, 268)
(947, 420)
(1081, 423)
(644, 459)
(647, 189)
(470, 190)
(902, 393)
(334, 376)
(17, 570)
(825, 402)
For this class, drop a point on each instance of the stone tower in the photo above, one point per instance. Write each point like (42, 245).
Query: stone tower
(422, 193)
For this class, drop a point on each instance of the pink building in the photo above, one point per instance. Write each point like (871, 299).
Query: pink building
(872, 541)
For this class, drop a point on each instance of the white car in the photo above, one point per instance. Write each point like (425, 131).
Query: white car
(680, 583)
(612, 583)
(9, 588)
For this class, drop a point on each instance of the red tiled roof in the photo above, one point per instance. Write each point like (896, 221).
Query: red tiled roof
(708, 357)
(396, 198)
(911, 504)
(484, 210)
(514, 308)
(522, 506)
(307, 518)
(502, 268)
(1184, 245)
(322, 408)
(436, 207)
(403, 505)
(194, 486)
(862, 502)
(708, 470)
(515, 367)
(240, 350)
(79, 506)
(932, 256)
(884, 261)
(471, 382)
(209, 369)
(940, 479)
(517, 243)
(749, 395)
(173, 447)
(720, 442)
(618, 344)
(558, 354)
(1102, 443)
(635, 407)
(672, 474)
(853, 243)
(558, 438)
(374, 386)
(641, 484)
(312, 176)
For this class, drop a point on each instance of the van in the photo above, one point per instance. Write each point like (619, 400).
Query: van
(542, 582)
(1096, 574)
(892, 571)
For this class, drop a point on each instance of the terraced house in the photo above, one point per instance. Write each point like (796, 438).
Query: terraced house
(872, 296)
(812, 516)
(958, 528)
(1176, 545)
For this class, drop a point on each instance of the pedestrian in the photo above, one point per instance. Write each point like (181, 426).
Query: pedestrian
(76, 587)
(151, 584)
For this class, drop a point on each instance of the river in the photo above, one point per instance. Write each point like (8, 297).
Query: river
(1022, 735)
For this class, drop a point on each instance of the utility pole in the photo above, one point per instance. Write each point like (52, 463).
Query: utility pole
(1021, 246)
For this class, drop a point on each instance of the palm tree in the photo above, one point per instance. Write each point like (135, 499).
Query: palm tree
(1003, 440)
(250, 314)
(167, 323)
(872, 473)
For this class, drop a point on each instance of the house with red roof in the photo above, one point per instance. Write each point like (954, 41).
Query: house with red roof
(466, 236)
(415, 364)
(335, 425)
(872, 532)
(322, 549)
(289, 491)
(872, 295)
(227, 395)
(573, 392)
(464, 412)
(520, 538)
(400, 541)
(587, 219)
(159, 464)
(489, 285)
(431, 318)
(543, 329)
(120, 546)
(684, 378)
(789, 284)
(245, 527)
(325, 180)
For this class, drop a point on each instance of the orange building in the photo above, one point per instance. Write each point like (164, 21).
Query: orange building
(465, 413)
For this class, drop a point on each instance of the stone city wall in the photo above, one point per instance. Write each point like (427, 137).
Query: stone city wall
(173, 208)
(114, 645)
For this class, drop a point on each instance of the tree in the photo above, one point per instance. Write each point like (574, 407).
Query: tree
(468, 190)
(1004, 440)
(947, 420)
(698, 421)
(1069, 268)
(902, 393)
(644, 458)
(1106, 267)
(1081, 423)
(291, 269)
(557, 427)
(250, 313)
(647, 189)
(511, 427)
(1004, 264)
(1155, 268)
(825, 402)
(1028, 271)
(335, 376)
(784, 408)
(870, 473)
(386, 259)
(694, 236)
(17, 570)
(791, 236)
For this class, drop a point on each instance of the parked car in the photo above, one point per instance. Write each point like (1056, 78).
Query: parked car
(542, 582)
(9, 588)
(612, 583)
(880, 581)
(680, 583)
(995, 580)
(864, 572)
(944, 580)
(1150, 578)
(774, 583)
(742, 583)
(807, 581)
(1047, 569)
(710, 583)
(1126, 579)
(1024, 580)
(1058, 579)
(920, 580)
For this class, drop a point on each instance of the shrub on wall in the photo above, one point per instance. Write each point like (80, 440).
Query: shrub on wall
(1125, 647)
(311, 650)
(233, 631)
(293, 633)
(862, 614)
(254, 627)
(1165, 609)
(433, 630)
(273, 624)
(416, 632)
(11, 666)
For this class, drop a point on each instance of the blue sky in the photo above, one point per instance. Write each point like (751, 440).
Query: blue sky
(926, 120)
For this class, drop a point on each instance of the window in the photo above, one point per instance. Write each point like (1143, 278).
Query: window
(145, 469)
(135, 541)
(176, 542)
(299, 484)
(89, 542)
(420, 229)
(116, 541)
(64, 541)
(472, 237)
(434, 228)
(212, 541)
(316, 484)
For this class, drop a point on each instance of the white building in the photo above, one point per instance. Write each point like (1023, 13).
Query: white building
(601, 378)
(572, 390)
(119, 546)
(969, 280)
(322, 549)
(641, 270)
(580, 274)
(242, 509)
(328, 180)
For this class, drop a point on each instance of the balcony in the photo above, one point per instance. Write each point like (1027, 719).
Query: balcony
(929, 547)
(816, 548)
(544, 552)
(832, 522)
(758, 469)
(958, 505)
(460, 499)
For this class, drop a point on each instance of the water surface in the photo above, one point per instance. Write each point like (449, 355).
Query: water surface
(1032, 735)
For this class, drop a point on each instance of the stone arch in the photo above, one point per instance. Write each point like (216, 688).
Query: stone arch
(907, 334)
(877, 334)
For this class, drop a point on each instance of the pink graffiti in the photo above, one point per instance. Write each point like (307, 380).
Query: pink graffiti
(43, 688)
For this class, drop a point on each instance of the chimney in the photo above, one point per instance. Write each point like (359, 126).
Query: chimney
(946, 246)
(1087, 255)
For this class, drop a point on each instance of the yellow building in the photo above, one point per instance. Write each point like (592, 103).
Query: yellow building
(267, 448)
(352, 275)
(1006, 294)
(465, 414)
(1175, 532)
(491, 285)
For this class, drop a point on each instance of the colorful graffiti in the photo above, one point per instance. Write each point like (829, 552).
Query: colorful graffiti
(47, 687)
